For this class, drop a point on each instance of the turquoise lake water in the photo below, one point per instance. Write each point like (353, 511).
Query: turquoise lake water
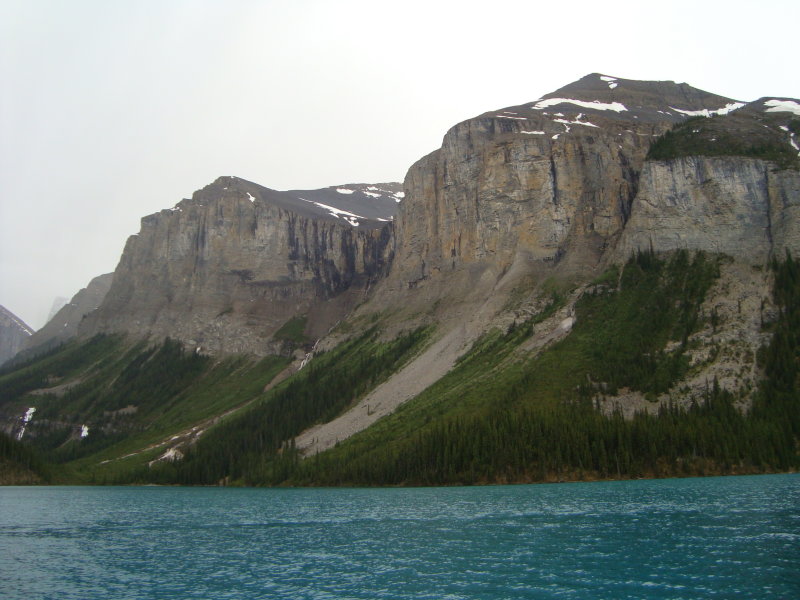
(728, 537)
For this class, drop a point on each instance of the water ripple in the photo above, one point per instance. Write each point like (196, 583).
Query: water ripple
(694, 538)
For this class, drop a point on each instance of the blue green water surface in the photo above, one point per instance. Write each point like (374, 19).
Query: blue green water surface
(732, 537)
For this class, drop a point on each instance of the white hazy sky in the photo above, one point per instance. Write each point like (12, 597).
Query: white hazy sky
(111, 110)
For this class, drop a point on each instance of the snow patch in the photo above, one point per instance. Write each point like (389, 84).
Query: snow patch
(533, 132)
(351, 218)
(26, 418)
(594, 104)
(20, 324)
(706, 112)
(568, 123)
(251, 197)
(793, 142)
(783, 106)
(612, 81)
(373, 194)
(507, 117)
(345, 191)
(399, 196)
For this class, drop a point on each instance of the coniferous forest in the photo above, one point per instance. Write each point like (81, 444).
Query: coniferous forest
(499, 416)
(496, 420)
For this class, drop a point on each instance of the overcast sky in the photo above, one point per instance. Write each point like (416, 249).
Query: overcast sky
(112, 110)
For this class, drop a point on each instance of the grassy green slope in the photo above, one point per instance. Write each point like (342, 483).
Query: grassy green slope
(131, 397)
(255, 447)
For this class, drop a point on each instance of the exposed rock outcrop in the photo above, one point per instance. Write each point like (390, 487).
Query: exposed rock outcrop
(13, 334)
(558, 186)
(225, 270)
(738, 206)
(513, 193)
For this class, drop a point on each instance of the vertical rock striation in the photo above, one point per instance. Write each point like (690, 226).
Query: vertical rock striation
(518, 191)
(226, 269)
(741, 207)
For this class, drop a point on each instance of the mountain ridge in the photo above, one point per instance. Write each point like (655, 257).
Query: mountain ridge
(510, 242)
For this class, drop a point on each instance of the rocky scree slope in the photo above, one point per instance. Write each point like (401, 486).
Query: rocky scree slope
(226, 269)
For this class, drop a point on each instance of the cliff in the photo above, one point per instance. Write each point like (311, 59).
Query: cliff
(729, 184)
(520, 193)
(741, 207)
(226, 269)
(13, 334)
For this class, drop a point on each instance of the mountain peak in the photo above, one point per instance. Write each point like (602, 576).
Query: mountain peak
(609, 96)
(643, 97)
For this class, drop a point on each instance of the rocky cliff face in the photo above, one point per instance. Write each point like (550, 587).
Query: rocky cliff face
(13, 334)
(730, 184)
(64, 324)
(521, 190)
(226, 269)
(742, 207)
(558, 186)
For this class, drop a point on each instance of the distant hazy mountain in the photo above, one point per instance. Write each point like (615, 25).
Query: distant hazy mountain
(58, 304)
(63, 325)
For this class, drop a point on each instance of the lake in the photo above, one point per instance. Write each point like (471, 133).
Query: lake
(723, 537)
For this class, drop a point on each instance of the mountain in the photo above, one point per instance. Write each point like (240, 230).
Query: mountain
(597, 283)
(13, 334)
(63, 325)
(227, 269)
(58, 304)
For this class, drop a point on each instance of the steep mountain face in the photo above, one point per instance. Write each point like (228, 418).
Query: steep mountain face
(64, 324)
(228, 268)
(562, 185)
(754, 208)
(519, 190)
(729, 184)
(13, 334)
